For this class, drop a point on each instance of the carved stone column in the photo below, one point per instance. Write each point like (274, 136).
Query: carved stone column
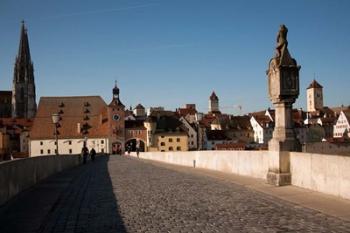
(283, 76)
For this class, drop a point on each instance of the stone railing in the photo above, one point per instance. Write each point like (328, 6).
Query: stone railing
(20, 174)
(328, 174)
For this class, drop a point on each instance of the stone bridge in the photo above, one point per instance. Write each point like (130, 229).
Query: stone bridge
(125, 194)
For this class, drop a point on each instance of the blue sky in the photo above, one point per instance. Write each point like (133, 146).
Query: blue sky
(172, 52)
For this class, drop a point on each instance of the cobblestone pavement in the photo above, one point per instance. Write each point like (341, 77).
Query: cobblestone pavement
(119, 194)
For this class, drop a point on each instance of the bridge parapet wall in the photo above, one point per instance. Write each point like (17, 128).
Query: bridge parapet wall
(246, 163)
(328, 174)
(18, 175)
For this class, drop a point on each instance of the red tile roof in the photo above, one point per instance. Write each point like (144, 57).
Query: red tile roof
(213, 96)
(84, 110)
(314, 84)
(139, 106)
(186, 111)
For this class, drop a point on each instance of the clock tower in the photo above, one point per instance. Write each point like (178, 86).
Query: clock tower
(116, 119)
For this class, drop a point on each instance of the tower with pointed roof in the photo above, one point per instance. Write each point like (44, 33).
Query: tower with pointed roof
(314, 97)
(23, 92)
(116, 119)
(214, 103)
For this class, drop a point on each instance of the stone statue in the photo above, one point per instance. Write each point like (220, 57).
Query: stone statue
(281, 40)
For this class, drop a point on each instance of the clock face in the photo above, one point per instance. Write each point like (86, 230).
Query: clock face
(116, 117)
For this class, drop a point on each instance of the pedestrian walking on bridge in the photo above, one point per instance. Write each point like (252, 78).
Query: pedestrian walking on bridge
(92, 154)
(85, 153)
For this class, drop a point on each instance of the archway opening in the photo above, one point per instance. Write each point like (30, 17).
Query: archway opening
(130, 145)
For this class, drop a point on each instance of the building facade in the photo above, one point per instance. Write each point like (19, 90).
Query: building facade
(165, 132)
(342, 125)
(192, 134)
(214, 103)
(82, 119)
(314, 95)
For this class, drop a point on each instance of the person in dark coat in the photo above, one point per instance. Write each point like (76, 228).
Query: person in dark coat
(85, 153)
(92, 154)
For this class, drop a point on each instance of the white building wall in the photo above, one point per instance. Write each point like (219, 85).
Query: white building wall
(192, 135)
(258, 131)
(341, 126)
(314, 99)
(213, 105)
(67, 146)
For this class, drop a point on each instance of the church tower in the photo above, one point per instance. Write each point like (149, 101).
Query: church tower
(214, 103)
(314, 97)
(23, 92)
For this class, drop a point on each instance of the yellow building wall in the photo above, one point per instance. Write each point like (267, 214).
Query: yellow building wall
(171, 142)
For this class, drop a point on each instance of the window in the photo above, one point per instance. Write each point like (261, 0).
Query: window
(192, 143)
(162, 136)
(162, 143)
(102, 150)
(70, 142)
(191, 135)
(70, 151)
(170, 140)
(102, 141)
(171, 148)
(55, 143)
(48, 151)
(178, 139)
(178, 148)
(41, 143)
(162, 151)
(55, 151)
(41, 151)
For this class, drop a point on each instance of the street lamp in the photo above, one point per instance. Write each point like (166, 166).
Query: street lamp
(55, 120)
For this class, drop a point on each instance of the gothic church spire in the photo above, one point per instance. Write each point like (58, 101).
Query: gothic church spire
(23, 93)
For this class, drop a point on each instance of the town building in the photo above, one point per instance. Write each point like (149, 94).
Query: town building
(139, 111)
(214, 104)
(82, 119)
(154, 109)
(165, 132)
(342, 125)
(14, 137)
(135, 132)
(263, 128)
(189, 112)
(191, 133)
(239, 129)
(314, 95)
(215, 137)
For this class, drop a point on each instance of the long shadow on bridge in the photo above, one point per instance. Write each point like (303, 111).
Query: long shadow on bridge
(77, 200)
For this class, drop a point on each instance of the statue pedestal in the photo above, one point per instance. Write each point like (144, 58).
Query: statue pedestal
(283, 141)
(279, 168)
